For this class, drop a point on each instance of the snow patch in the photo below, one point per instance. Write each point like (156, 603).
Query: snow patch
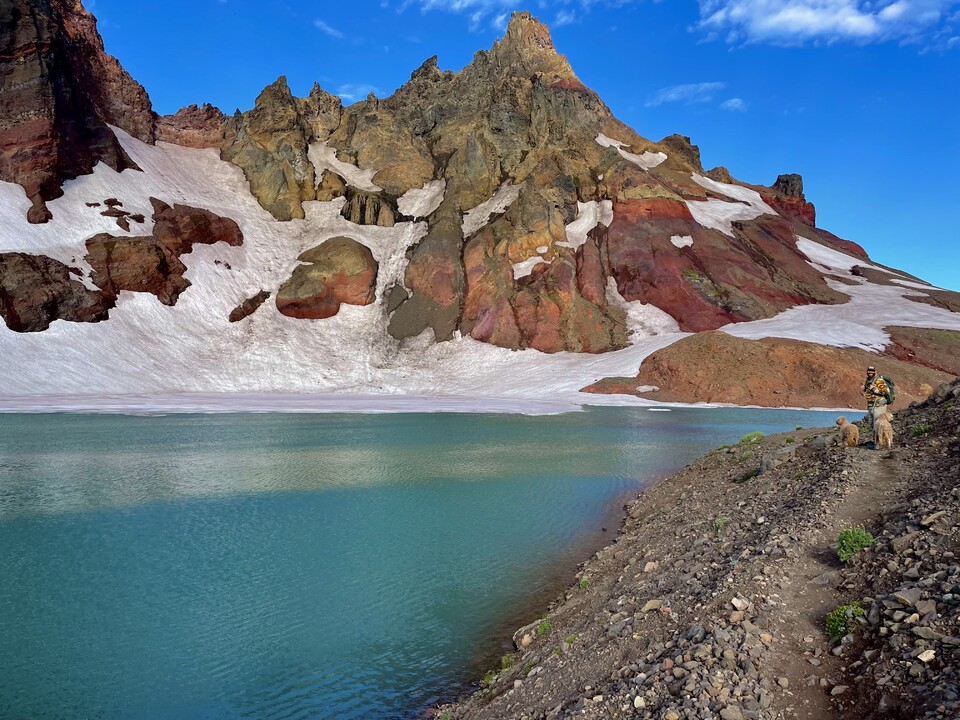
(525, 267)
(719, 214)
(503, 198)
(589, 215)
(324, 157)
(643, 320)
(857, 323)
(647, 161)
(421, 202)
(646, 388)
(681, 241)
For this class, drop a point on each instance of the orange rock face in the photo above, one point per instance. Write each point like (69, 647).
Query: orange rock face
(716, 367)
(341, 270)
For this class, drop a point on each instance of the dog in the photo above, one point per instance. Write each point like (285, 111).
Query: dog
(849, 434)
(884, 431)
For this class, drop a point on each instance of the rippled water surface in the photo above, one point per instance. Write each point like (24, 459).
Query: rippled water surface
(301, 566)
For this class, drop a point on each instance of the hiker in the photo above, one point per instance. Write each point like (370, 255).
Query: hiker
(879, 394)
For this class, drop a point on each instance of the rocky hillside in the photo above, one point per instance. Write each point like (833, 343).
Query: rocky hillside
(741, 606)
(501, 206)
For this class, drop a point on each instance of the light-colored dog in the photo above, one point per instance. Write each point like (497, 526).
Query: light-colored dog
(884, 431)
(849, 434)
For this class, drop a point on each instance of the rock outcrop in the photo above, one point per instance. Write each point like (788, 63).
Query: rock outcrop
(59, 92)
(197, 127)
(774, 372)
(152, 264)
(436, 281)
(786, 196)
(36, 290)
(272, 142)
(341, 270)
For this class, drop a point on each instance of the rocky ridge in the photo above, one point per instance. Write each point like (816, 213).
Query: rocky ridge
(720, 611)
(547, 224)
(59, 93)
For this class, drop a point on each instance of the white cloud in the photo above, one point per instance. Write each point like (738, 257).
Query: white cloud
(351, 92)
(687, 94)
(791, 22)
(734, 105)
(565, 17)
(323, 27)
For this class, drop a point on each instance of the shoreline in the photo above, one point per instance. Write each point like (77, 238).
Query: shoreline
(712, 598)
(499, 634)
(332, 403)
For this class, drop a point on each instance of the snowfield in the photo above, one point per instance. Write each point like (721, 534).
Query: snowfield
(150, 357)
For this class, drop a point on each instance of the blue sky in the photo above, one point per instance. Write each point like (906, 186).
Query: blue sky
(861, 98)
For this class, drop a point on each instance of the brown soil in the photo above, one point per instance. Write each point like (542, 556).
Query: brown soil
(937, 349)
(774, 372)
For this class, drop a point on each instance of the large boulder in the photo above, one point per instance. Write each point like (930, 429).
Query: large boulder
(341, 270)
(35, 290)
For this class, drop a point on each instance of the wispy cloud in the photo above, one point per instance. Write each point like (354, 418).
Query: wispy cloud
(794, 22)
(323, 27)
(734, 105)
(687, 94)
(351, 92)
(779, 22)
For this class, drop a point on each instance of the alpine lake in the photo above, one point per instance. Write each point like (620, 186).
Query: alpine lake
(304, 566)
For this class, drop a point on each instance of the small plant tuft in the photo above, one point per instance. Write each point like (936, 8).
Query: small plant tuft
(584, 583)
(720, 523)
(799, 427)
(751, 438)
(489, 678)
(851, 541)
(789, 441)
(507, 661)
(840, 620)
(570, 639)
(544, 627)
(921, 429)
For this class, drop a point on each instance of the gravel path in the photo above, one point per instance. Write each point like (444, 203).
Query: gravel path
(712, 601)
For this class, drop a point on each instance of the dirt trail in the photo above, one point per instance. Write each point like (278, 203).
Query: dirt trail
(803, 654)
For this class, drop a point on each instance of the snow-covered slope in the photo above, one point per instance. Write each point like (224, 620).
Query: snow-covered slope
(146, 348)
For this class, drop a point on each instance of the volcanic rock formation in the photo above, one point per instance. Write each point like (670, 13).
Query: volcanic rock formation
(59, 91)
(341, 270)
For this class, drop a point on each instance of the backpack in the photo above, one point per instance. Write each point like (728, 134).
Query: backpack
(891, 390)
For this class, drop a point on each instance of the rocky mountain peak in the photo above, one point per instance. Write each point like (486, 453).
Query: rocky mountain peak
(790, 185)
(528, 48)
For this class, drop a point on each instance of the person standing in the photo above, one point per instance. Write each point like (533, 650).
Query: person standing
(877, 392)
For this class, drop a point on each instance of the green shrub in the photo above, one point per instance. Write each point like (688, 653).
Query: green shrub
(799, 427)
(507, 661)
(584, 582)
(570, 639)
(751, 438)
(921, 429)
(544, 628)
(840, 620)
(851, 541)
(789, 441)
(489, 678)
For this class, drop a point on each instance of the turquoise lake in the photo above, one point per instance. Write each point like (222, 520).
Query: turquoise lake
(303, 566)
